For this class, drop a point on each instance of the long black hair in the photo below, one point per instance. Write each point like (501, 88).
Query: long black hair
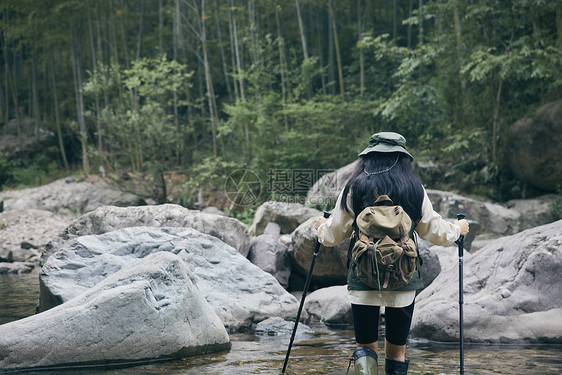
(385, 173)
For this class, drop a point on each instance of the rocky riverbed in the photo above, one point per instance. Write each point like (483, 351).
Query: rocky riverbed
(162, 266)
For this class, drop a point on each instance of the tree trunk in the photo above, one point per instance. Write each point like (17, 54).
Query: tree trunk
(253, 30)
(113, 34)
(495, 123)
(160, 26)
(410, 9)
(208, 81)
(458, 33)
(301, 29)
(559, 25)
(361, 54)
(281, 47)
(237, 52)
(79, 99)
(95, 67)
(319, 39)
(175, 46)
(57, 117)
(338, 54)
(394, 20)
(34, 91)
(139, 43)
(13, 88)
(331, 70)
(124, 42)
(420, 37)
(222, 54)
(233, 53)
(303, 42)
(3, 106)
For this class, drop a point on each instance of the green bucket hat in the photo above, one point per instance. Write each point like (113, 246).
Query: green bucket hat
(386, 142)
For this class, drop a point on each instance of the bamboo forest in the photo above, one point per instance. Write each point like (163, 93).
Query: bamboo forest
(157, 93)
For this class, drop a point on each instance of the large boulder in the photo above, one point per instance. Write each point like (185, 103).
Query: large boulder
(240, 292)
(148, 310)
(511, 293)
(534, 155)
(507, 219)
(288, 215)
(69, 197)
(325, 191)
(331, 263)
(330, 306)
(269, 253)
(109, 218)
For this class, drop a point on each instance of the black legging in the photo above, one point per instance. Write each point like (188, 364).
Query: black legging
(366, 323)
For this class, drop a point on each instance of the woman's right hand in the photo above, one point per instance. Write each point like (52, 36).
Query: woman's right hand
(463, 224)
(320, 221)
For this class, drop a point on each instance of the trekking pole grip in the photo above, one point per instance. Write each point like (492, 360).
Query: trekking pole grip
(326, 215)
(460, 240)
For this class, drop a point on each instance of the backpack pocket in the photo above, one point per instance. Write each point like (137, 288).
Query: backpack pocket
(384, 264)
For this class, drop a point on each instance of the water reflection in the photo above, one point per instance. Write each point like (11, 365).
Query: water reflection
(19, 295)
(326, 352)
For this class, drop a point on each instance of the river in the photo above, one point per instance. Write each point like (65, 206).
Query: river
(325, 352)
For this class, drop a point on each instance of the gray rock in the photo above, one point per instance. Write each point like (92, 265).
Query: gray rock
(431, 266)
(511, 293)
(271, 255)
(24, 135)
(287, 215)
(325, 191)
(272, 229)
(240, 292)
(448, 256)
(24, 233)
(69, 198)
(496, 218)
(280, 327)
(16, 267)
(213, 210)
(151, 309)
(534, 154)
(330, 306)
(108, 218)
(19, 255)
(331, 263)
(536, 211)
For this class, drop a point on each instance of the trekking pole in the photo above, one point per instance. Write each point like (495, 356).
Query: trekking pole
(460, 242)
(305, 290)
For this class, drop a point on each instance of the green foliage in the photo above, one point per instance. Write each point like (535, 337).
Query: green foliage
(140, 130)
(39, 170)
(452, 76)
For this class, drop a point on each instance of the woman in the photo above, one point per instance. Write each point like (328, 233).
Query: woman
(384, 168)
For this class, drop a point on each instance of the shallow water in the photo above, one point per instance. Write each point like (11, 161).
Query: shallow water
(325, 352)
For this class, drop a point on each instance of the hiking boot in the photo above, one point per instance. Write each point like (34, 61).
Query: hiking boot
(393, 367)
(365, 361)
